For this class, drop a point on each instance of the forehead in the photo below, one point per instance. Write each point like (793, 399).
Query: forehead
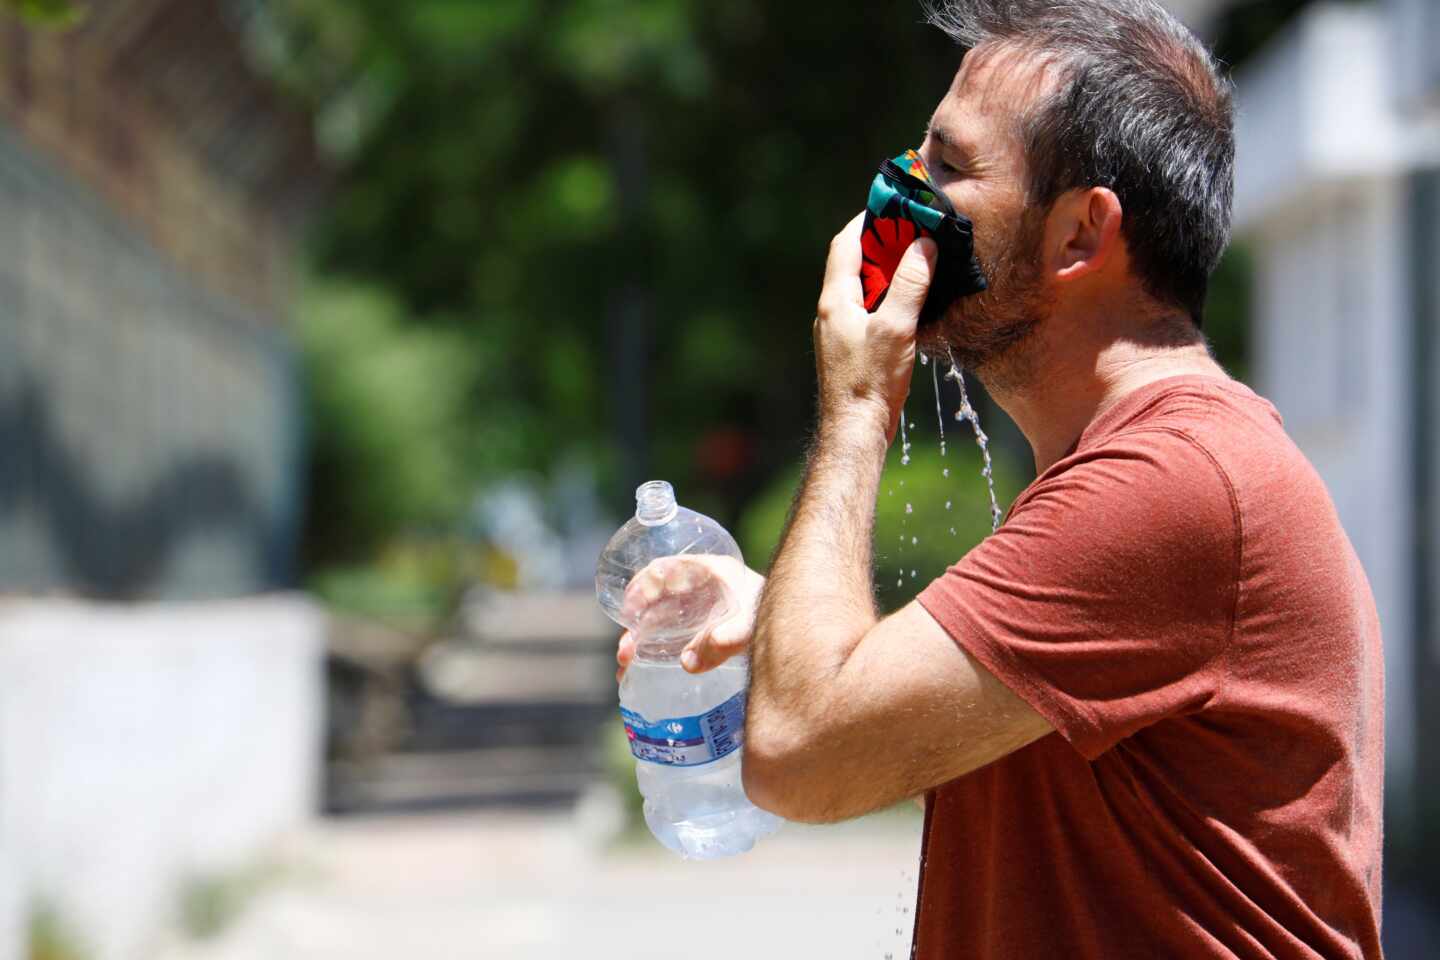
(991, 92)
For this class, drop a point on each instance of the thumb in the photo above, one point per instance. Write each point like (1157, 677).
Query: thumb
(716, 645)
(912, 280)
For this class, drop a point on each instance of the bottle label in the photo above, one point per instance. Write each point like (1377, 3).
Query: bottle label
(687, 741)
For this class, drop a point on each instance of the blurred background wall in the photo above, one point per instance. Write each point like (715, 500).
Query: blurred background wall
(150, 188)
(335, 335)
(150, 182)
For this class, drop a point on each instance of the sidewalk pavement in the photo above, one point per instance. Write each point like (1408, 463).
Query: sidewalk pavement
(527, 886)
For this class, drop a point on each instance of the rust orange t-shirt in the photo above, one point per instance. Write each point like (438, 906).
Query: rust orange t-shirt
(1178, 599)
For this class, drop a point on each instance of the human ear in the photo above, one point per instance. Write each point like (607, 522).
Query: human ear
(1085, 227)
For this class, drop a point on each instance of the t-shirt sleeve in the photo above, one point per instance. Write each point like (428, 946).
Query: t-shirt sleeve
(1106, 600)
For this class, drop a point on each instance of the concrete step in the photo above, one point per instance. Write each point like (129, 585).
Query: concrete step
(467, 674)
(497, 775)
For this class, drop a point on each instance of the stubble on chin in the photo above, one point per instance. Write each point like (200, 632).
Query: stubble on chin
(993, 333)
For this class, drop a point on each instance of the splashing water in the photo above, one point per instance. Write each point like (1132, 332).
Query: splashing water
(939, 416)
(904, 462)
(967, 412)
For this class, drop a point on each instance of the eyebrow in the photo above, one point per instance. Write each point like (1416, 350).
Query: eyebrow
(947, 140)
(941, 136)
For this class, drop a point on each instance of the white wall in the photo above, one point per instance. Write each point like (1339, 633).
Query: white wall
(140, 745)
(1314, 109)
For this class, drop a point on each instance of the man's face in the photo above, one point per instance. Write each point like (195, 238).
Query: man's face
(973, 153)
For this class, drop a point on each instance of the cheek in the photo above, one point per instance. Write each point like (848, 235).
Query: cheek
(995, 213)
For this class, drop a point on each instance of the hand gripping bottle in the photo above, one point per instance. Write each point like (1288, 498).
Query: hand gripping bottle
(685, 729)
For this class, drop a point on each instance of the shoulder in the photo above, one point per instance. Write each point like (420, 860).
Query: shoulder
(1160, 481)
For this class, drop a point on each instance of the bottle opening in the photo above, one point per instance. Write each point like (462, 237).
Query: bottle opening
(654, 503)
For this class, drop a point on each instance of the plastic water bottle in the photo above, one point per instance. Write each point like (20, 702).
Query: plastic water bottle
(685, 729)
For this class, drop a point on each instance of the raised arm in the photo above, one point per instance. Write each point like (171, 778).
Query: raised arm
(848, 713)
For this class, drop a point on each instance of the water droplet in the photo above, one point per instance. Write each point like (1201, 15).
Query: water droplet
(900, 582)
(947, 504)
(912, 424)
(912, 574)
(909, 508)
(924, 360)
(952, 531)
(945, 472)
(913, 540)
(905, 460)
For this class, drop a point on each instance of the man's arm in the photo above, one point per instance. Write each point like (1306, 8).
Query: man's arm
(848, 714)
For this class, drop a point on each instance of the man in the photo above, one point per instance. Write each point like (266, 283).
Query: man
(1145, 714)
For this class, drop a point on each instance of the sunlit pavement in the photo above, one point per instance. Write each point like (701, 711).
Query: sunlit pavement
(527, 885)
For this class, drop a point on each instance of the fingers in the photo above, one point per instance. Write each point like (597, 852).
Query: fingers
(670, 578)
(674, 585)
(909, 287)
(718, 644)
(842, 268)
(624, 654)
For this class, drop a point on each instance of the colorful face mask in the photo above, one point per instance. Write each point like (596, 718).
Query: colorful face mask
(904, 206)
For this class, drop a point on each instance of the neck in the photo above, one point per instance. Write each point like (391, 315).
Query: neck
(1067, 384)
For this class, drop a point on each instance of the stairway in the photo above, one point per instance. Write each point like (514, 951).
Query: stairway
(506, 711)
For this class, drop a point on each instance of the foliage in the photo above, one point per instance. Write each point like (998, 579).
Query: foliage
(389, 408)
(623, 205)
(211, 902)
(920, 541)
(55, 13)
(1227, 314)
(612, 214)
(50, 937)
(413, 584)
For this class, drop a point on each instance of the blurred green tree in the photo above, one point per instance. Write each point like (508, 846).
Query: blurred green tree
(48, 12)
(623, 206)
(392, 399)
(929, 513)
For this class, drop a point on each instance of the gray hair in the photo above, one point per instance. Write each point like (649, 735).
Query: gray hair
(1141, 108)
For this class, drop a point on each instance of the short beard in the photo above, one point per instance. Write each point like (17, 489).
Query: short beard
(988, 333)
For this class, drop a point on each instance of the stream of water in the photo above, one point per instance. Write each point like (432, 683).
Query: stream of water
(967, 412)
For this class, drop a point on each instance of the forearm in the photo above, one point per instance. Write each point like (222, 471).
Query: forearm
(819, 601)
(818, 607)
